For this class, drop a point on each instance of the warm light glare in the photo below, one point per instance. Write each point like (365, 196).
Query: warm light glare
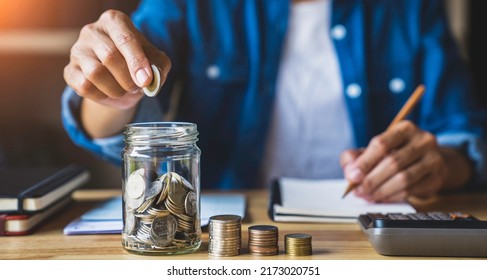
(16, 14)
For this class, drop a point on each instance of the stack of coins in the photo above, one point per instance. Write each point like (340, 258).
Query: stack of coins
(298, 244)
(160, 211)
(263, 240)
(225, 235)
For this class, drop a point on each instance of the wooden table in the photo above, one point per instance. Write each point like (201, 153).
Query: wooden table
(330, 241)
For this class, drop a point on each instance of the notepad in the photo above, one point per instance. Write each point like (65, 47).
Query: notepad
(302, 200)
(106, 218)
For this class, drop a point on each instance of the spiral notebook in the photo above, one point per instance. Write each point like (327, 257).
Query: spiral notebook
(320, 201)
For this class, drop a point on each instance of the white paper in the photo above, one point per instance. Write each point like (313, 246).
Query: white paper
(321, 201)
(106, 218)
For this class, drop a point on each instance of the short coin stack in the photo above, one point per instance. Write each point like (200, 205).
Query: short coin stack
(298, 244)
(225, 235)
(160, 211)
(263, 240)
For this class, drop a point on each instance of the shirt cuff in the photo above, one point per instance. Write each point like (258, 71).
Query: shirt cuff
(474, 148)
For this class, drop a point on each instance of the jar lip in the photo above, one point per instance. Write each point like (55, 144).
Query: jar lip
(161, 124)
(161, 133)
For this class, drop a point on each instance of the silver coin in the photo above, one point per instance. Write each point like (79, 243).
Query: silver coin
(133, 203)
(177, 193)
(154, 190)
(155, 86)
(187, 185)
(136, 184)
(190, 204)
(129, 225)
(163, 230)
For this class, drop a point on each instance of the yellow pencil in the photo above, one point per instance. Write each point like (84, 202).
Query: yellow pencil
(401, 115)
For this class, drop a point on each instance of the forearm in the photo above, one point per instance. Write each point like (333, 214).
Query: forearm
(459, 169)
(101, 121)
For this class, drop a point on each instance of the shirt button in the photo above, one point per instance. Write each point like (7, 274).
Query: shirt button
(338, 32)
(354, 90)
(213, 72)
(397, 85)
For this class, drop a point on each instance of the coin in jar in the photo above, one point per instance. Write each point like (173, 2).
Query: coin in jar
(190, 205)
(154, 190)
(163, 230)
(129, 226)
(136, 184)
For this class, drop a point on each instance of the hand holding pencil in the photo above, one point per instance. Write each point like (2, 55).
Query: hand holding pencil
(402, 161)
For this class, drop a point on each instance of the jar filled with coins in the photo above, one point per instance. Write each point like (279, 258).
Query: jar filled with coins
(161, 188)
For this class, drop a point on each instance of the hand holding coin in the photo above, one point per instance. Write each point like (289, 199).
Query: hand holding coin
(110, 63)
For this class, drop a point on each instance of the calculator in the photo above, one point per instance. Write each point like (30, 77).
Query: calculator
(448, 234)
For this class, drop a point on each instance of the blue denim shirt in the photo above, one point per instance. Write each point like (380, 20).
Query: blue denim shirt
(225, 56)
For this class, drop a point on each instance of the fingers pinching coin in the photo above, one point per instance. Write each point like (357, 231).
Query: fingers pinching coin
(155, 86)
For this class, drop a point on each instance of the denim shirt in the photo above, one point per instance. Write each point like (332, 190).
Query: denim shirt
(225, 57)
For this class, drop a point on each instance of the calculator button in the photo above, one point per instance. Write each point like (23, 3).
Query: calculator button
(412, 217)
(398, 217)
(459, 216)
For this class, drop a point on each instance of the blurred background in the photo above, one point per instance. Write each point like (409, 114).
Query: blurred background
(35, 38)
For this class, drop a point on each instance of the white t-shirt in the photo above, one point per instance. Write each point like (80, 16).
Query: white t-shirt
(310, 125)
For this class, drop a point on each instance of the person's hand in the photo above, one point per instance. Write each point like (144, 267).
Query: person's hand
(401, 162)
(110, 62)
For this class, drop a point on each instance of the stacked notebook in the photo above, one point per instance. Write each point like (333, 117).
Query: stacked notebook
(29, 196)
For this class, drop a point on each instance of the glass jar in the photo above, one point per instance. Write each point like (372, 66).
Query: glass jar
(161, 188)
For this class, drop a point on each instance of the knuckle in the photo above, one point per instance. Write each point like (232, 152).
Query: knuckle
(112, 15)
(95, 71)
(436, 160)
(124, 38)
(429, 139)
(85, 87)
(136, 61)
(405, 178)
(87, 30)
(379, 144)
(67, 73)
(368, 184)
(109, 55)
(408, 125)
(394, 161)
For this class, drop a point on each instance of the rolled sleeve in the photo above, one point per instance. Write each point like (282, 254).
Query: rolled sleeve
(108, 148)
(474, 147)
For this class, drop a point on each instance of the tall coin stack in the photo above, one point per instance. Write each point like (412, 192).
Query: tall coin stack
(263, 240)
(225, 235)
(298, 244)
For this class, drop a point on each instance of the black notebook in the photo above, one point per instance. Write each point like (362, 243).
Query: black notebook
(30, 190)
(23, 224)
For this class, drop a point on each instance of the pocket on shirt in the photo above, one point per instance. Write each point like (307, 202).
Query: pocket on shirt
(216, 88)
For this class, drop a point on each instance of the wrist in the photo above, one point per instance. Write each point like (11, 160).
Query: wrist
(100, 121)
(459, 169)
